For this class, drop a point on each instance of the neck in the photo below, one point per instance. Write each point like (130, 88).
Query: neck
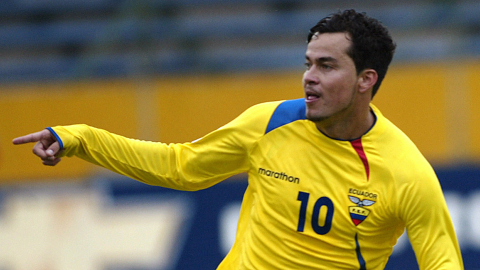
(348, 128)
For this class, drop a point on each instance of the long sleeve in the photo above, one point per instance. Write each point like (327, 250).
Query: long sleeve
(428, 223)
(188, 166)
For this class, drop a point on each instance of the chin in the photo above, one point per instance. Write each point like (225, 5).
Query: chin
(315, 117)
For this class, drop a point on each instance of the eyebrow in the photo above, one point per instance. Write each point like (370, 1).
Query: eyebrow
(323, 59)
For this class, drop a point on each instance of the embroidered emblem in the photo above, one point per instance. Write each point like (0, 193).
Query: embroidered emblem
(359, 213)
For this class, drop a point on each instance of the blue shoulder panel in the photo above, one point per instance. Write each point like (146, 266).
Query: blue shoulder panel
(287, 112)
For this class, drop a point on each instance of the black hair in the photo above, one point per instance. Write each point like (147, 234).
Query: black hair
(372, 46)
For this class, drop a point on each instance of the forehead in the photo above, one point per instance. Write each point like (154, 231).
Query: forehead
(333, 45)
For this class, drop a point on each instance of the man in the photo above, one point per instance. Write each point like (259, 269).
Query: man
(332, 183)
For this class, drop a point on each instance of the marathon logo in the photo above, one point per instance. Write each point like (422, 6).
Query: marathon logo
(279, 175)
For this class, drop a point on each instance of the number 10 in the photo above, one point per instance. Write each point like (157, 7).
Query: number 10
(323, 201)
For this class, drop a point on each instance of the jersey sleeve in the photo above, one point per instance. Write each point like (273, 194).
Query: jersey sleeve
(428, 222)
(186, 166)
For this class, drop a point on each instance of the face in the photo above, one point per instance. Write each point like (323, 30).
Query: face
(330, 81)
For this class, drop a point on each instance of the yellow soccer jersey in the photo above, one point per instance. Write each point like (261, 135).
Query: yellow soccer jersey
(312, 202)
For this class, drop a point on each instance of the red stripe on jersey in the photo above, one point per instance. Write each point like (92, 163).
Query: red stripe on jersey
(357, 145)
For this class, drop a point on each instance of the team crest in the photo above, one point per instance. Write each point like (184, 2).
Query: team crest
(359, 213)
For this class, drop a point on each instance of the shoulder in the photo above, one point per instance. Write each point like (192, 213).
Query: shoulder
(392, 138)
(271, 115)
(286, 112)
(398, 150)
(252, 125)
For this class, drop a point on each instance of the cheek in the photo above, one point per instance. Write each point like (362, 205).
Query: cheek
(341, 91)
(346, 83)
(335, 86)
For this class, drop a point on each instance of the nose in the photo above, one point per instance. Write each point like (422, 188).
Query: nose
(310, 77)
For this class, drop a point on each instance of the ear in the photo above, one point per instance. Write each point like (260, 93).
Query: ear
(366, 80)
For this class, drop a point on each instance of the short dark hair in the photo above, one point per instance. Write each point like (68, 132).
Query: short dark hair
(372, 46)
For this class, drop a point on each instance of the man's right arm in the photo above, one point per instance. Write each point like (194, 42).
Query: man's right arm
(188, 166)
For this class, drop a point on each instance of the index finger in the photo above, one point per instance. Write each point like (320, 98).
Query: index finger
(32, 137)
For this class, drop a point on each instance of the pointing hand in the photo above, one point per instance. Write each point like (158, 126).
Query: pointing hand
(47, 147)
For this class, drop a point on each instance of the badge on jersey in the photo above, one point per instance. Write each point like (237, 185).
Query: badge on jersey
(359, 213)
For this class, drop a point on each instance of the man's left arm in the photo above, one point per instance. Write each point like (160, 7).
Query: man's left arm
(428, 223)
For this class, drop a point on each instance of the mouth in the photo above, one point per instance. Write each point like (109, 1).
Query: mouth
(311, 96)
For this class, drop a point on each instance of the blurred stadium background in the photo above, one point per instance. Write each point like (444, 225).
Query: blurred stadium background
(173, 70)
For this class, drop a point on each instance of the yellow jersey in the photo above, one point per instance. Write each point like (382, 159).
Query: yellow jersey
(312, 202)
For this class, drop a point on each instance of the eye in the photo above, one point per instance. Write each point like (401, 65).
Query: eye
(326, 67)
(308, 65)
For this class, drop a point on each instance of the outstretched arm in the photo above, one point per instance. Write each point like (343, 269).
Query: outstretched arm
(185, 166)
(188, 166)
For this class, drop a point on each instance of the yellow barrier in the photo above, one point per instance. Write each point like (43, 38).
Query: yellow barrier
(30, 107)
(435, 104)
(473, 96)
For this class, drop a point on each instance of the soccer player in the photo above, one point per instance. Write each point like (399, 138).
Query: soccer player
(332, 182)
